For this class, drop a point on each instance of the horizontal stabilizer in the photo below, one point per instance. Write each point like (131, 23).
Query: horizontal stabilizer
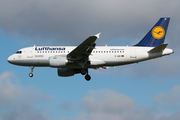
(159, 48)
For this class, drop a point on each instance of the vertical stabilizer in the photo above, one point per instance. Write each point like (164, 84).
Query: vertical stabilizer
(156, 35)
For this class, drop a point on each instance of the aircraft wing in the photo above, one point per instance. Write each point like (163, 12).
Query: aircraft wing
(83, 51)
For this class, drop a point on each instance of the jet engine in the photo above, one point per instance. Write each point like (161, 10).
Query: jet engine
(55, 61)
(65, 72)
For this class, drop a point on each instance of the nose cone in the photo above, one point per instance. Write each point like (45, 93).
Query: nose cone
(10, 59)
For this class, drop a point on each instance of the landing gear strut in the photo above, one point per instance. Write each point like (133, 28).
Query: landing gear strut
(31, 74)
(83, 71)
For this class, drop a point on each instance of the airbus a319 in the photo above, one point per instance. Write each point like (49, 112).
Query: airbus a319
(71, 60)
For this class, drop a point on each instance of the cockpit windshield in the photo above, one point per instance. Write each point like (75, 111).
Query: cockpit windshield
(18, 52)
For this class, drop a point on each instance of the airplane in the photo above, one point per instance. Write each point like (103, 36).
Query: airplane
(71, 60)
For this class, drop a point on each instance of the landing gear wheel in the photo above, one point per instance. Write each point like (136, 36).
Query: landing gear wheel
(83, 71)
(87, 77)
(30, 75)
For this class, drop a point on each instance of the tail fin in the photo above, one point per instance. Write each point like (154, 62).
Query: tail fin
(156, 35)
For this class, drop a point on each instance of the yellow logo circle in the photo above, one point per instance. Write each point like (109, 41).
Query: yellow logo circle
(158, 32)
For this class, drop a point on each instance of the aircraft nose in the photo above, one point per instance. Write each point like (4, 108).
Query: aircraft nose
(10, 59)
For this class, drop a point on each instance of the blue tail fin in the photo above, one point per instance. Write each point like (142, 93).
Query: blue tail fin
(156, 35)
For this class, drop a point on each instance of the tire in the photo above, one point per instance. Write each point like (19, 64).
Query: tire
(83, 71)
(30, 75)
(88, 77)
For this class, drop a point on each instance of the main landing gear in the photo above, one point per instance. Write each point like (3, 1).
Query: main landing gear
(31, 74)
(85, 72)
(87, 77)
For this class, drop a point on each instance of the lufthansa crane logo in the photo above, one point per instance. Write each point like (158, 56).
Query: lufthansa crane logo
(158, 32)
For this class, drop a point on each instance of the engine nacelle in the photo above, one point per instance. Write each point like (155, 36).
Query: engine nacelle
(55, 61)
(66, 72)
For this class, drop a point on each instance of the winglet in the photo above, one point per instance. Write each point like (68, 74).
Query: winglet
(97, 35)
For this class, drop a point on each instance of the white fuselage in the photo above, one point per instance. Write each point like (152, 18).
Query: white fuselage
(101, 56)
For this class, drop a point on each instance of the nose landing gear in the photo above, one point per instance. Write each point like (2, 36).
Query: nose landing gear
(31, 74)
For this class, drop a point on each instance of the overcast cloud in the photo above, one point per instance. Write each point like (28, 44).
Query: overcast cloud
(170, 100)
(18, 103)
(71, 22)
(103, 104)
(106, 104)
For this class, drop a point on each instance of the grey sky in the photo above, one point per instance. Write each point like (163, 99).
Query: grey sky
(72, 21)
